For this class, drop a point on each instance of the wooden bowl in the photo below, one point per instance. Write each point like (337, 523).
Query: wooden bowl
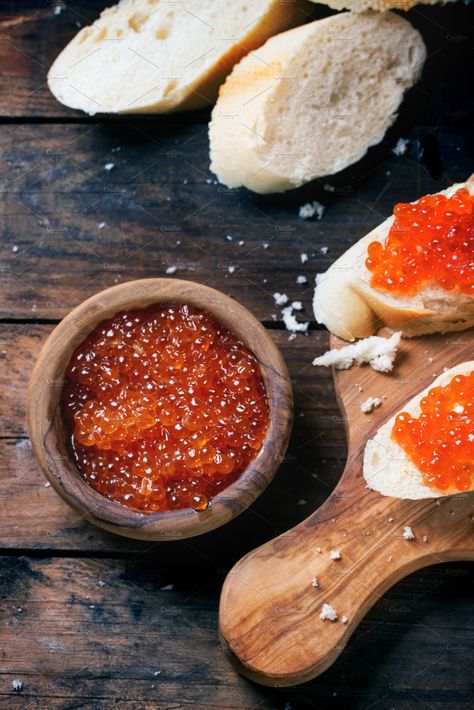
(48, 433)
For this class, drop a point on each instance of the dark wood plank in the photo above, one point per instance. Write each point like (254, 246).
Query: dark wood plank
(33, 35)
(92, 633)
(160, 208)
(312, 466)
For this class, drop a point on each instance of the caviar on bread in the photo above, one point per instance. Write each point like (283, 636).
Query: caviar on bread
(414, 272)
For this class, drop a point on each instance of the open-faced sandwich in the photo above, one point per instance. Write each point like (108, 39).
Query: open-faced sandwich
(427, 450)
(414, 272)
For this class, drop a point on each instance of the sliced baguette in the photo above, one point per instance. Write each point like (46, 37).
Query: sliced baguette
(387, 468)
(312, 100)
(156, 56)
(380, 5)
(349, 307)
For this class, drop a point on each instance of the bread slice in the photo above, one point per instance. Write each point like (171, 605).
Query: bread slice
(349, 307)
(155, 56)
(387, 468)
(380, 5)
(312, 100)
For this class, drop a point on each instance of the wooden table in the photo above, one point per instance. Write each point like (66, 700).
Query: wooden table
(89, 620)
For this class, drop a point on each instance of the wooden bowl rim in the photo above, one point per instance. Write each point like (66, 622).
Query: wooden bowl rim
(44, 419)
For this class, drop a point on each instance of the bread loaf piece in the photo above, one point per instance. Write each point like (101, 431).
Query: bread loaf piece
(387, 468)
(345, 302)
(145, 56)
(312, 100)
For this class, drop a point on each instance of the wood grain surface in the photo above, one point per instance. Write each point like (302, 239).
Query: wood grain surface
(270, 610)
(76, 643)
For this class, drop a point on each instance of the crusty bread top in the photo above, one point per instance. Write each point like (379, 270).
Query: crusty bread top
(350, 308)
(311, 101)
(154, 55)
(387, 468)
(380, 5)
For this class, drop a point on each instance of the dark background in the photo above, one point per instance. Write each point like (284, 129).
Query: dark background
(85, 621)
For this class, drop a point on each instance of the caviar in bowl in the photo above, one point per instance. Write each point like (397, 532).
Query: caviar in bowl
(160, 409)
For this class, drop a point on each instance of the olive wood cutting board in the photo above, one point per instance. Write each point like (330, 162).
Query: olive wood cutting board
(269, 615)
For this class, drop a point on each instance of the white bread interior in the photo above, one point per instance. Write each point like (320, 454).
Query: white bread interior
(156, 56)
(380, 5)
(345, 302)
(312, 100)
(387, 468)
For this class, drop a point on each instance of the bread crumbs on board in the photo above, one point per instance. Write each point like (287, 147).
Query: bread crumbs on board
(328, 613)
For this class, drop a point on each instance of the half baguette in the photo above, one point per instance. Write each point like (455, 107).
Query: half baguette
(349, 307)
(388, 469)
(312, 100)
(145, 56)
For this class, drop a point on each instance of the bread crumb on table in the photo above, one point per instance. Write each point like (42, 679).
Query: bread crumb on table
(400, 147)
(170, 270)
(378, 352)
(408, 533)
(17, 685)
(314, 582)
(301, 279)
(109, 166)
(310, 209)
(281, 299)
(344, 619)
(335, 555)
(291, 323)
(370, 404)
(304, 258)
(328, 613)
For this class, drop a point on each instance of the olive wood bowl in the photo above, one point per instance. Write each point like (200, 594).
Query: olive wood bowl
(49, 435)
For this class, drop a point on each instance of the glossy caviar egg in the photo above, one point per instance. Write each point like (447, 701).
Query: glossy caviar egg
(440, 442)
(165, 408)
(431, 242)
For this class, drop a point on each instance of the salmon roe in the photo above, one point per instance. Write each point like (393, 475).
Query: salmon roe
(165, 408)
(440, 442)
(431, 242)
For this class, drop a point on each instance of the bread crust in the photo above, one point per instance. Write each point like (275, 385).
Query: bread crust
(380, 5)
(350, 308)
(65, 82)
(387, 469)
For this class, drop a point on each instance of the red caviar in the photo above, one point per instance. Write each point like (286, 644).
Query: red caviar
(165, 408)
(431, 242)
(440, 442)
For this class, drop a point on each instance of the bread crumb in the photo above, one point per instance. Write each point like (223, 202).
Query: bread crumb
(370, 404)
(167, 588)
(301, 279)
(15, 249)
(425, 538)
(335, 555)
(297, 305)
(47, 484)
(102, 225)
(390, 520)
(228, 237)
(389, 558)
(400, 147)
(291, 323)
(304, 258)
(231, 269)
(109, 166)
(314, 582)
(280, 298)
(344, 619)
(308, 210)
(170, 270)
(318, 549)
(17, 685)
(379, 352)
(408, 533)
(324, 250)
(265, 245)
(328, 612)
